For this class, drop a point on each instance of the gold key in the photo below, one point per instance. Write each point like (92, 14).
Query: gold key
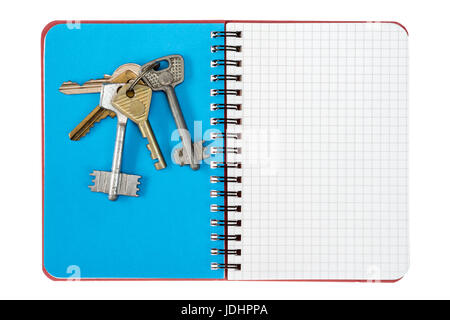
(88, 122)
(100, 113)
(135, 105)
(95, 85)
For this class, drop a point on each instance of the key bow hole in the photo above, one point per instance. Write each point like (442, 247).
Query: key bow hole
(161, 65)
(130, 93)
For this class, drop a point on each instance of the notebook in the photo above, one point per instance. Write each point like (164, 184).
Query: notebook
(306, 125)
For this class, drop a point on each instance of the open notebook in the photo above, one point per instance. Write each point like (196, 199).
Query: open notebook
(308, 175)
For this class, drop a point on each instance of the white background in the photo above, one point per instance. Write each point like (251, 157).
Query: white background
(20, 182)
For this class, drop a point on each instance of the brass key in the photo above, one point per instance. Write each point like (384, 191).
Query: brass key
(166, 79)
(100, 113)
(88, 122)
(135, 105)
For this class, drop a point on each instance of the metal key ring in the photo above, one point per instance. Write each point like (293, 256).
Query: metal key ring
(143, 71)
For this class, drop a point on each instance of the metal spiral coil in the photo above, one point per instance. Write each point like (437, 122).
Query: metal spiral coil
(226, 77)
(217, 193)
(222, 135)
(216, 121)
(225, 222)
(216, 179)
(225, 106)
(218, 48)
(218, 164)
(233, 252)
(228, 63)
(220, 208)
(225, 34)
(223, 92)
(219, 150)
(225, 237)
(217, 266)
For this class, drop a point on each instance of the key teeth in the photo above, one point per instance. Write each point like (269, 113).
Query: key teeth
(73, 134)
(159, 166)
(95, 180)
(127, 183)
(151, 153)
(132, 191)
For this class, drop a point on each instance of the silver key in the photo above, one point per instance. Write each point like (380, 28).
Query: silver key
(119, 183)
(166, 80)
(127, 183)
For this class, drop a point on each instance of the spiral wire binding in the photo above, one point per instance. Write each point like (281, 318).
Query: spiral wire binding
(225, 237)
(218, 164)
(218, 150)
(219, 208)
(216, 179)
(223, 34)
(216, 266)
(217, 193)
(215, 121)
(222, 223)
(221, 62)
(218, 48)
(225, 150)
(226, 77)
(228, 135)
(235, 252)
(225, 106)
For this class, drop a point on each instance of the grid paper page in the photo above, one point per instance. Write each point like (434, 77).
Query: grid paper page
(324, 151)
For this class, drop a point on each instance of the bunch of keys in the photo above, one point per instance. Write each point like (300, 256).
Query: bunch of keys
(166, 80)
(124, 100)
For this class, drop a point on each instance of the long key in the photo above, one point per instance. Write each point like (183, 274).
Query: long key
(166, 80)
(95, 85)
(116, 179)
(99, 113)
(135, 105)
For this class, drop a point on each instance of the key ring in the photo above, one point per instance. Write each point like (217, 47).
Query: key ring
(143, 72)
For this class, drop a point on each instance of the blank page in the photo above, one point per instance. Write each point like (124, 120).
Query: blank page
(323, 151)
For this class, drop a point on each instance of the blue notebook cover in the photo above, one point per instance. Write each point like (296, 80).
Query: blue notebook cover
(165, 232)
